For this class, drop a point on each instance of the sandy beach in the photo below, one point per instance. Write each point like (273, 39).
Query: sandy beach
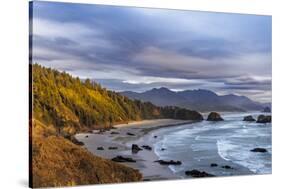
(123, 136)
(218, 148)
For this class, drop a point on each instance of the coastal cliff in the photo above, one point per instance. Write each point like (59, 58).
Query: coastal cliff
(64, 106)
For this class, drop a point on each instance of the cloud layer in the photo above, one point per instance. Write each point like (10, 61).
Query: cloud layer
(138, 49)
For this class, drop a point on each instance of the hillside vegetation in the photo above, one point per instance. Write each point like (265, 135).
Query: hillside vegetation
(72, 105)
(58, 162)
(62, 106)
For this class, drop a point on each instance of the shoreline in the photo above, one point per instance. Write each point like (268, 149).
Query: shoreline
(198, 152)
(141, 136)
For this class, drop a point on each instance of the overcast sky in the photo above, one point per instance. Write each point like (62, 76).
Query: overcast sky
(138, 49)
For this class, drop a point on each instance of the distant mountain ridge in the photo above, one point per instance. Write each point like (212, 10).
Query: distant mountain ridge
(200, 100)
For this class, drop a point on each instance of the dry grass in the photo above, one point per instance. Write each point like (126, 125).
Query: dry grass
(58, 162)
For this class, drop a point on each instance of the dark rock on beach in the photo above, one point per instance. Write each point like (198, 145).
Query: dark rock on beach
(249, 118)
(146, 147)
(146, 179)
(79, 143)
(197, 174)
(262, 150)
(101, 131)
(130, 134)
(86, 136)
(171, 162)
(264, 119)
(112, 148)
(227, 167)
(123, 159)
(114, 133)
(214, 165)
(135, 148)
(100, 148)
(214, 116)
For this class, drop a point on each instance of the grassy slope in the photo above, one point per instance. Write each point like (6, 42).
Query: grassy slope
(58, 162)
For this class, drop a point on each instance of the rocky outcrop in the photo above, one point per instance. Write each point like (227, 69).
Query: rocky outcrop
(214, 165)
(112, 148)
(130, 134)
(197, 174)
(264, 119)
(262, 150)
(123, 159)
(249, 118)
(146, 147)
(135, 148)
(171, 162)
(100, 148)
(214, 116)
(227, 167)
(74, 140)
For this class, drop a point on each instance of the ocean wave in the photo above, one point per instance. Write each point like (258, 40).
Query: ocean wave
(237, 153)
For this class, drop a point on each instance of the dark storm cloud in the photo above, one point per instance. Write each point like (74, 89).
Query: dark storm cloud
(246, 83)
(137, 49)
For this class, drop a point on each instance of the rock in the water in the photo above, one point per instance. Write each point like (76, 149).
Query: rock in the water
(197, 174)
(249, 118)
(262, 150)
(227, 167)
(135, 148)
(163, 149)
(130, 134)
(171, 162)
(114, 133)
(146, 147)
(214, 165)
(100, 148)
(86, 136)
(123, 159)
(264, 119)
(112, 148)
(155, 136)
(267, 109)
(214, 116)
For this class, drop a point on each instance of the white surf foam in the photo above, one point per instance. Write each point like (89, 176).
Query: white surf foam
(230, 151)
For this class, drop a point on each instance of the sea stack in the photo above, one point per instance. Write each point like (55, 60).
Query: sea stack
(214, 116)
(249, 118)
(135, 148)
(264, 119)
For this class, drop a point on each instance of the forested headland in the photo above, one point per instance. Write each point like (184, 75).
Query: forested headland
(62, 106)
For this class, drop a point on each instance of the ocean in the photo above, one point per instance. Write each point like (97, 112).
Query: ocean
(228, 142)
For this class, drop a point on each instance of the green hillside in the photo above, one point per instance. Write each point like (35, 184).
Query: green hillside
(72, 105)
(62, 106)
